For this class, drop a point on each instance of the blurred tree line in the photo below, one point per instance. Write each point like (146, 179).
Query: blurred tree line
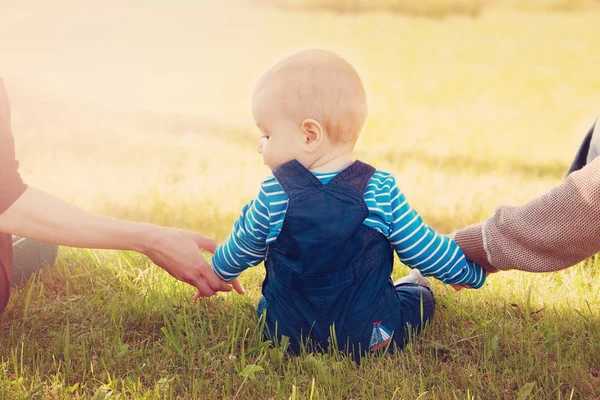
(431, 8)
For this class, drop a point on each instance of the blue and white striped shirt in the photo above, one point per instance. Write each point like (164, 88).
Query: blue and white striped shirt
(417, 245)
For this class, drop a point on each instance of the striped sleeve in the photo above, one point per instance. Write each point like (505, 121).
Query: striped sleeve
(247, 244)
(419, 246)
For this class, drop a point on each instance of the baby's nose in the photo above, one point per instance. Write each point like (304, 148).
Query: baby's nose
(259, 147)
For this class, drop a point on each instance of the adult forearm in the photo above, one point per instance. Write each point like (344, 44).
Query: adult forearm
(38, 215)
(552, 232)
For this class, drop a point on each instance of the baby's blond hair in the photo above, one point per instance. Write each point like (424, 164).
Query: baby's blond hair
(321, 85)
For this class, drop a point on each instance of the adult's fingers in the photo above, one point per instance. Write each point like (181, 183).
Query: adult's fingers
(203, 289)
(200, 294)
(219, 286)
(214, 281)
(237, 286)
(205, 243)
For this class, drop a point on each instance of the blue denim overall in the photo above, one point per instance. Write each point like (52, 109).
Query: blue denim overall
(328, 275)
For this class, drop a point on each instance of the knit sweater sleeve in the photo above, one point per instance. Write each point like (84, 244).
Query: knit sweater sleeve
(11, 185)
(550, 233)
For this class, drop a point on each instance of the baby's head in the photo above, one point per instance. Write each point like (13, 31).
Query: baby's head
(309, 106)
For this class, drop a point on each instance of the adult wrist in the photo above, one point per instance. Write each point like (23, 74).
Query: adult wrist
(470, 240)
(146, 238)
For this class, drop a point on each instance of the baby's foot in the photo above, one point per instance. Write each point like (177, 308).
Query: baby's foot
(414, 276)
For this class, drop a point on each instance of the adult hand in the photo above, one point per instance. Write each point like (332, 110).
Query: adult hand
(177, 251)
(234, 282)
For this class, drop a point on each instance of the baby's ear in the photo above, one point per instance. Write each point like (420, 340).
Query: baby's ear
(313, 131)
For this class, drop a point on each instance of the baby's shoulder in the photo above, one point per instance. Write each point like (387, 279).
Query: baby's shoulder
(268, 179)
(270, 184)
(382, 180)
(380, 188)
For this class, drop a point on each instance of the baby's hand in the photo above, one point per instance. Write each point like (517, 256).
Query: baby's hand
(216, 284)
(458, 288)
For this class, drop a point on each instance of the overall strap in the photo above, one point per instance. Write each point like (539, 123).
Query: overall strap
(295, 178)
(354, 178)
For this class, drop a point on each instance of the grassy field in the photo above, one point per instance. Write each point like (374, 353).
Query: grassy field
(141, 111)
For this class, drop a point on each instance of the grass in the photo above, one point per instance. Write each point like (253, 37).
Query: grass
(107, 324)
(149, 121)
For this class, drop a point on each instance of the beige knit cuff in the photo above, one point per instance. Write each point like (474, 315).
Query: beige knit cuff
(470, 240)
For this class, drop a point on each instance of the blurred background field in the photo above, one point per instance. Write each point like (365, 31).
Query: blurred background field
(141, 110)
(431, 8)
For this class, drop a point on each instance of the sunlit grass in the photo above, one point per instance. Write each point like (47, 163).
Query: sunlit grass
(469, 113)
(106, 323)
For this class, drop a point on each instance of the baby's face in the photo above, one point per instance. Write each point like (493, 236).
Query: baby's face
(282, 139)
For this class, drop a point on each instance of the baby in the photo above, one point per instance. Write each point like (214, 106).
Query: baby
(326, 226)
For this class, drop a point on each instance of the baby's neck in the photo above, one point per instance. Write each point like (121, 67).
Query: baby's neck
(332, 162)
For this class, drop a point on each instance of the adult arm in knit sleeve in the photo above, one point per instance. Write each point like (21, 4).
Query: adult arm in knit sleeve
(550, 233)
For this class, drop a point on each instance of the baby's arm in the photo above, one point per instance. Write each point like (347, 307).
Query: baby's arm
(246, 245)
(419, 246)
